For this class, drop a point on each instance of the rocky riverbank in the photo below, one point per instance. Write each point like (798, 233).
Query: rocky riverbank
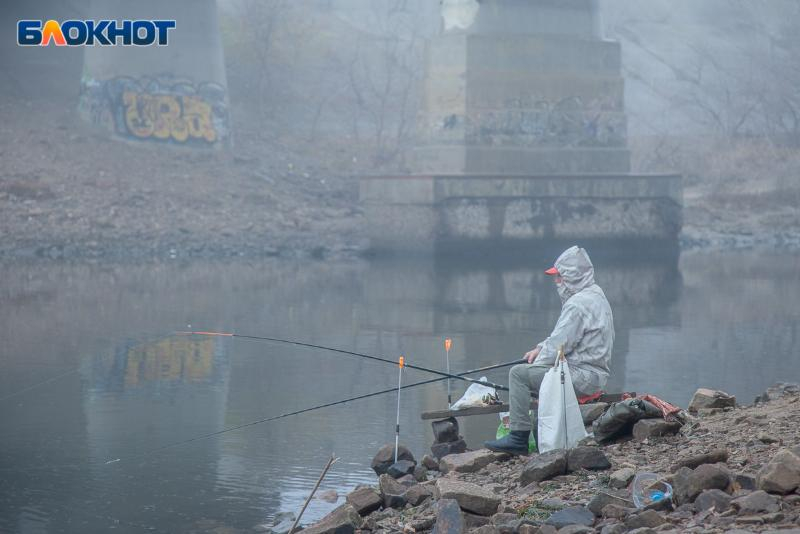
(732, 468)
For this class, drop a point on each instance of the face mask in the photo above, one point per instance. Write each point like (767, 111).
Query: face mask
(563, 292)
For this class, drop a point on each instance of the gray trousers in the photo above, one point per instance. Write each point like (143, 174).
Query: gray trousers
(523, 379)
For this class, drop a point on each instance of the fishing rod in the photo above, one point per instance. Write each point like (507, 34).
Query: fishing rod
(306, 410)
(342, 351)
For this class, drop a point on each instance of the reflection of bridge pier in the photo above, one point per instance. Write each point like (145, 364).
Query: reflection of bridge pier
(495, 310)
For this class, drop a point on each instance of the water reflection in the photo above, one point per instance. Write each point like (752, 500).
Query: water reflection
(723, 320)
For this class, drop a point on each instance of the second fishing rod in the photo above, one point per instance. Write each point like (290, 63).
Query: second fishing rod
(343, 351)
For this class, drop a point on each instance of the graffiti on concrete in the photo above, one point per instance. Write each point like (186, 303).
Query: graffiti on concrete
(568, 122)
(157, 108)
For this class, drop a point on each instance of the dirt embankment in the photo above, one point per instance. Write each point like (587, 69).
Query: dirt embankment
(732, 469)
(69, 191)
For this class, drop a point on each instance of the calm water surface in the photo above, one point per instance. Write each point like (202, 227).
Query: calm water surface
(120, 384)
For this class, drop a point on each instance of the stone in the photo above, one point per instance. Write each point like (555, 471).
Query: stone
(420, 473)
(445, 430)
(616, 528)
(591, 411)
(328, 495)
(763, 437)
(757, 502)
(709, 398)
(688, 484)
(575, 529)
(417, 494)
(781, 474)
(778, 391)
(646, 519)
(385, 457)
(392, 492)
(343, 520)
(603, 499)
(485, 529)
(713, 457)
(573, 515)
(282, 523)
(650, 428)
(713, 498)
(430, 463)
(621, 478)
(585, 457)
(615, 511)
(467, 462)
(364, 499)
(440, 450)
(473, 521)
(471, 497)
(544, 467)
(407, 480)
(401, 468)
(449, 519)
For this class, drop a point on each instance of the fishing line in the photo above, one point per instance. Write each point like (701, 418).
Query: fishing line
(305, 410)
(36, 385)
(342, 351)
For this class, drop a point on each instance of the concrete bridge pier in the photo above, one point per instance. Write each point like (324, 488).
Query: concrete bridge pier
(521, 137)
(168, 94)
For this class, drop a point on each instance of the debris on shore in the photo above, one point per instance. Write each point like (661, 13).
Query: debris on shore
(732, 469)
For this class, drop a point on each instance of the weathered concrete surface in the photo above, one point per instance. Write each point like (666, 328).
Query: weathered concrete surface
(175, 93)
(419, 212)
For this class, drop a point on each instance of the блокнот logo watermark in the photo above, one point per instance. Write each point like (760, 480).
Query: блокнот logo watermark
(93, 32)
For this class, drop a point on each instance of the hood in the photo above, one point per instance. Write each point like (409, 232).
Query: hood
(576, 269)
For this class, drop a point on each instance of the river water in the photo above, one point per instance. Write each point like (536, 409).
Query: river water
(90, 370)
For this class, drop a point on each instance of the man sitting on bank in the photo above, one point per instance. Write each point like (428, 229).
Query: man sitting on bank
(585, 328)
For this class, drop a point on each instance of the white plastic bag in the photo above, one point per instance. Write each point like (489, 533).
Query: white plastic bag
(560, 421)
(476, 395)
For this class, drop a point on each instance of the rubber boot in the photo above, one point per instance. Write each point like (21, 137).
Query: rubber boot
(516, 442)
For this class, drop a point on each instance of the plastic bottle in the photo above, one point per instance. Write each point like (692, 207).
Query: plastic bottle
(647, 489)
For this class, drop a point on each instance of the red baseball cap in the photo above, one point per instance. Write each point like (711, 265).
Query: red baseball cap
(552, 271)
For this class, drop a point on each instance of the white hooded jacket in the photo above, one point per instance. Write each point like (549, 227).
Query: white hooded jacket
(585, 326)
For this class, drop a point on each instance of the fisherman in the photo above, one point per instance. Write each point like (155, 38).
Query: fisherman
(586, 330)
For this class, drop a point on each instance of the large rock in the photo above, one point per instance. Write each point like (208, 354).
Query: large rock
(343, 520)
(688, 484)
(621, 477)
(709, 398)
(467, 462)
(713, 457)
(781, 474)
(713, 498)
(392, 491)
(445, 430)
(401, 468)
(650, 428)
(758, 502)
(385, 457)
(417, 494)
(645, 519)
(440, 450)
(604, 498)
(431, 463)
(449, 519)
(365, 500)
(544, 467)
(587, 457)
(573, 515)
(590, 412)
(470, 497)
